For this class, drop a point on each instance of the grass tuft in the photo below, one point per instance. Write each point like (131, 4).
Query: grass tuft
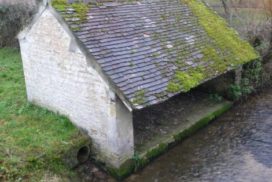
(32, 139)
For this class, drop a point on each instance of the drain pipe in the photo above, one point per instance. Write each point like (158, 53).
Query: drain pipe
(83, 154)
(77, 155)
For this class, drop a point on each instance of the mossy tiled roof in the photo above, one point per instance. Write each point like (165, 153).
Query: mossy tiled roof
(154, 49)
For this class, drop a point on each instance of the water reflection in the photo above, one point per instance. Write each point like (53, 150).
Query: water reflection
(235, 147)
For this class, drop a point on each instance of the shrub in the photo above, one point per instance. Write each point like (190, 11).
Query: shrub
(251, 80)
(13, 18)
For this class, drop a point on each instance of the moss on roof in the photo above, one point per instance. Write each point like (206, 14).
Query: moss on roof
(80, 9)
(176, 46)
(226, 49)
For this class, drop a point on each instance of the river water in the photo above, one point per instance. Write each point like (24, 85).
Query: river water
(235, 147)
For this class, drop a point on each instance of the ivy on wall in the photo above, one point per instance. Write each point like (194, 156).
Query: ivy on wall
(251, 80)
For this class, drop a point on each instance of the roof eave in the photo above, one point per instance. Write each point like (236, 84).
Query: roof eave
(139, 107)
(91, 59)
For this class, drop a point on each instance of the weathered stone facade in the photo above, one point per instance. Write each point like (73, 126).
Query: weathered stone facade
(60, 77)
(98, 70)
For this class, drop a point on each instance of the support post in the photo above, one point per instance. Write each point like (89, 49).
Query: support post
(238, 75)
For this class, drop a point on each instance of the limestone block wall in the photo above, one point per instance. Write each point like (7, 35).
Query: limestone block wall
(59, 77)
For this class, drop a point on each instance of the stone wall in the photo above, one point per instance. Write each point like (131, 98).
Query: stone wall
(59, 77)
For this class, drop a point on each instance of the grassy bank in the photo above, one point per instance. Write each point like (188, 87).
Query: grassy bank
(32, 139)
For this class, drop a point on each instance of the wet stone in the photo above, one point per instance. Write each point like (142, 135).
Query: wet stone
(235, 147)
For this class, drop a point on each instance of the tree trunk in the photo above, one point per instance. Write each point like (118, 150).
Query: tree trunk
(226, 8)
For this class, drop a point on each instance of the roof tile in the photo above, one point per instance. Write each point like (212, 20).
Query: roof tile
(141, 44)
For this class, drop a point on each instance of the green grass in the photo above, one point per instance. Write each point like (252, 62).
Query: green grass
(32, 139)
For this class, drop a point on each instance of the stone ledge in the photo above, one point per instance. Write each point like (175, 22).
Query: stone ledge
(141, 160)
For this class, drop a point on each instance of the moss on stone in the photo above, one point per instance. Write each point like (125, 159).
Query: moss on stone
(223, 37)
(123, 171)
(185, 80)
(139, 97)
(224, 51)
(80, 9)
(222, 110)
(60, 5)
(134, 164)
(188, 132)
(201, 123)
(219, 64)
(156, 151)
(75, 28)
(140, 161)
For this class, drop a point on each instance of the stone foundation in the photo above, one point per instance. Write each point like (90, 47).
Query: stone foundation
(158, 128)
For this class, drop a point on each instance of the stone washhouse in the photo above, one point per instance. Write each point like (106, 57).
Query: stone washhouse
(102, 63)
